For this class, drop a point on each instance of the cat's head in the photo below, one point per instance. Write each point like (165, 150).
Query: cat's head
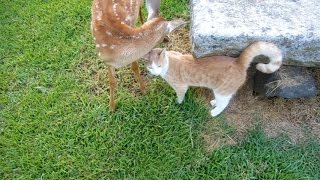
(156, 61)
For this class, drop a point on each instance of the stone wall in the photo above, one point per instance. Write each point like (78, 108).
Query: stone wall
(226, 27)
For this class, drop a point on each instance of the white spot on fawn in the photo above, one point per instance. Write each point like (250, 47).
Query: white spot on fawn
(104, 45)
(115, 9)
(97, 4)
(131, 2)
(97, 45)
(128, 18)
(108, 33)
(112, 46)
(99, 15)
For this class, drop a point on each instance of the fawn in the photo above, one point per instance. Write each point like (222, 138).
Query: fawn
(119, 43)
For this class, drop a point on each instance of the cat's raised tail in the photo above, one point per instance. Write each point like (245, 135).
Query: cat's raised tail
(262, 48)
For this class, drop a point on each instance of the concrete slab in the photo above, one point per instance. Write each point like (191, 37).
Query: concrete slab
(226, 27)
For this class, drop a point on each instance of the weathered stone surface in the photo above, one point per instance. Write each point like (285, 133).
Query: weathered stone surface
(226, 27)
(288, 82)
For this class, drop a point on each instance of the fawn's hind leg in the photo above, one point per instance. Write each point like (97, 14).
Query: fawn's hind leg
(135, 69)
(113, 84)
(153, 7)
(221, 102)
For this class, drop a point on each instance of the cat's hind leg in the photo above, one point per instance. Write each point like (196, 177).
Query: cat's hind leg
(221, 102)
(181, 91)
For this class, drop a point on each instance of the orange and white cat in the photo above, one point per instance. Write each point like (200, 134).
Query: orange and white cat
(224, 75)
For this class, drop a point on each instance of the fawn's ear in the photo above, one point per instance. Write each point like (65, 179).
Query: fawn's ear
(174, 24)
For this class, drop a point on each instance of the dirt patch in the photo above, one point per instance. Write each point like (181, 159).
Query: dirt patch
(293, 130)
(179, 41)
(215, 135)
(296, 118)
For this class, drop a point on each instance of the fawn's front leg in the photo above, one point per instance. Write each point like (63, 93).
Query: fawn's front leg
(135, 69)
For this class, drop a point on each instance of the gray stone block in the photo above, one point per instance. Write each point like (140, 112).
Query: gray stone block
(288, 82)
(226, 27)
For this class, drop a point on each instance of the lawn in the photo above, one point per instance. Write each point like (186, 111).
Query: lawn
(55, 123)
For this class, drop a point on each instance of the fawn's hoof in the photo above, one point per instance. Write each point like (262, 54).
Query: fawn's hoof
(143, 91)
(112, 107)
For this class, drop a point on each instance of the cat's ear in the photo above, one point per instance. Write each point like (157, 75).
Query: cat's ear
(163, 53)
(146, 57)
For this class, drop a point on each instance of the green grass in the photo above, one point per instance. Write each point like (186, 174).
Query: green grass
(54, 125)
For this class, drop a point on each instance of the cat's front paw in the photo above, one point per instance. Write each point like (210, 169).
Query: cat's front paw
(215, 112)
(179, 100)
